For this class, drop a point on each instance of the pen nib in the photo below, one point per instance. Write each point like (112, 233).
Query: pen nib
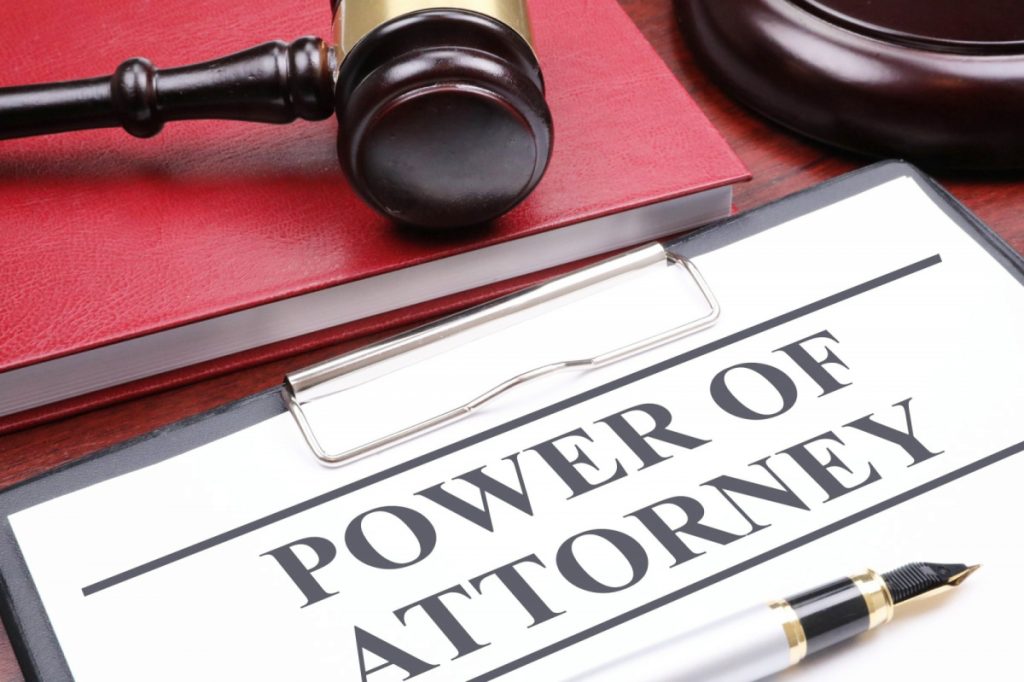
(915, 580)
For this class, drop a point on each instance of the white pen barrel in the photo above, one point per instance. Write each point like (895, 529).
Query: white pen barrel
(746, 646)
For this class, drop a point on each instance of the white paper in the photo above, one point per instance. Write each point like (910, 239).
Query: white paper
(946, 336)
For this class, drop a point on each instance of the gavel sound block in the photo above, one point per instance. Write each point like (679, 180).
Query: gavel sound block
(441, 112)
(938, 82)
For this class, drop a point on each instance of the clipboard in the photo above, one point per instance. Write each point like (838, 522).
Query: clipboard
(37, 646)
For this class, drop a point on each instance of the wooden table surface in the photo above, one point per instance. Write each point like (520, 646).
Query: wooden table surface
(781, 163)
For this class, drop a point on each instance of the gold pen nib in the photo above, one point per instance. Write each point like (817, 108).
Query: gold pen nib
(955, 580)
(920, 580)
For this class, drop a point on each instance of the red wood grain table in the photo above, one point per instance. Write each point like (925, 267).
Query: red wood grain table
(781, 163)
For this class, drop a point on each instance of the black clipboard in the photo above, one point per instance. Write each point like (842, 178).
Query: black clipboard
(33, 638)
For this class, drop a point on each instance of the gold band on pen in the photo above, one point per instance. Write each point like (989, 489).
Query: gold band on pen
(356, 18)
(877, 597)
(794, 630)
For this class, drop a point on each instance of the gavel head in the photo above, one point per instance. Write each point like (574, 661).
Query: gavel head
(443, 121)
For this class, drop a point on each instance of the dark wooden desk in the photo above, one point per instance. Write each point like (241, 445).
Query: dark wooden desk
(781, 164)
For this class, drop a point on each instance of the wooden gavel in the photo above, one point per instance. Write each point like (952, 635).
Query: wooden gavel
(441, 111)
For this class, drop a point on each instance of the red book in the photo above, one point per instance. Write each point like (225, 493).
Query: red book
(132, 265)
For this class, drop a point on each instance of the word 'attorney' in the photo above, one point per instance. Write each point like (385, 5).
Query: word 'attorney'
(579, 462)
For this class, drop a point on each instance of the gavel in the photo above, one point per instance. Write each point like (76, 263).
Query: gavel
(440, 105)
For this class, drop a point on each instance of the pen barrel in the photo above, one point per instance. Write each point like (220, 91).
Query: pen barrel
(747, 645)
(842, 609)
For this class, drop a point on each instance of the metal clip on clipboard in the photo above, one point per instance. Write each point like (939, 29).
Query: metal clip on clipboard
(299, 386)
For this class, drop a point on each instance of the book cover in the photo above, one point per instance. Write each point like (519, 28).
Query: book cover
(108, 238)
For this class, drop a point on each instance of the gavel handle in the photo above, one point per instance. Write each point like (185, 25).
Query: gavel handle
(275, 82)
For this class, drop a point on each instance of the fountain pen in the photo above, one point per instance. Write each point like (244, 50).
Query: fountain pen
(769, 638)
